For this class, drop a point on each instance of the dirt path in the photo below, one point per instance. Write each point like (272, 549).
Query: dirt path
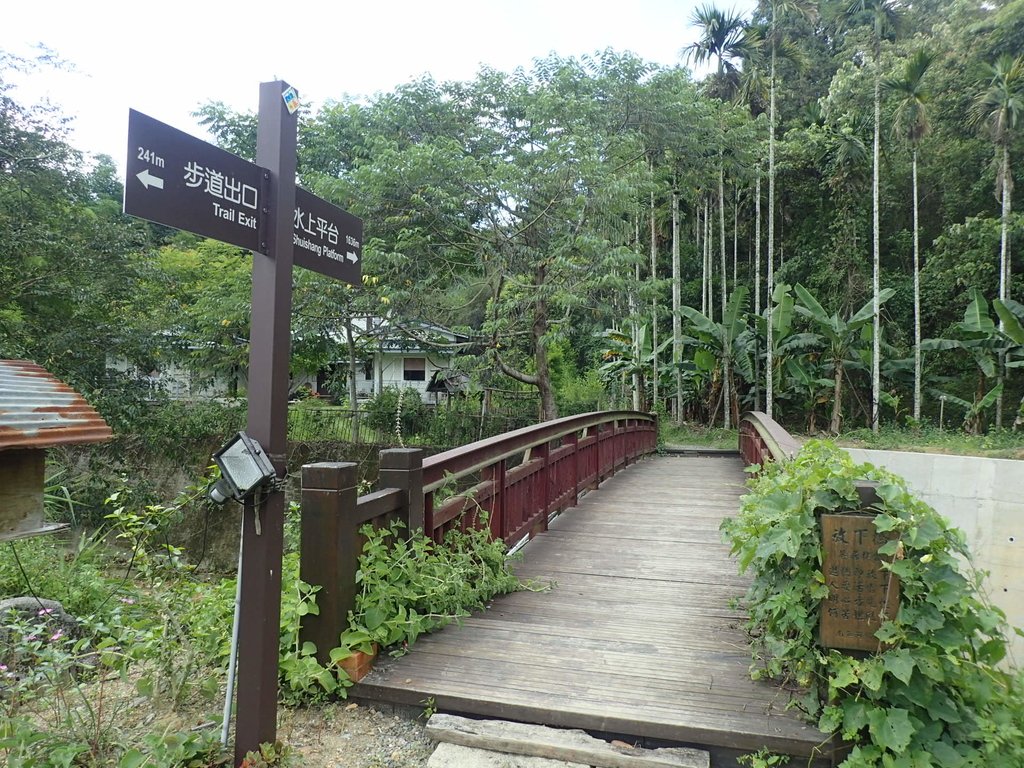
(348, 735)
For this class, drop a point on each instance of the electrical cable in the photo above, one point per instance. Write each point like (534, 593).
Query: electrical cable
(24, 575)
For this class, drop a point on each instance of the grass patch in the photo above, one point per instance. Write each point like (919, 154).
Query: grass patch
(998, 443)
(672, 435)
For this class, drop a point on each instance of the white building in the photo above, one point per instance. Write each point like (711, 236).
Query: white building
(416, 358)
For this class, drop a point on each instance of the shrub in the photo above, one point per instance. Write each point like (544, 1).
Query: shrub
(933, 694)
(382, 411)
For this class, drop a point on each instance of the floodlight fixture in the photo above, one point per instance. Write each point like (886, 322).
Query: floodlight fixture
(244, 469)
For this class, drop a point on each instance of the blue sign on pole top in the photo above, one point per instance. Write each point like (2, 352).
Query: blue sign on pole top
(184, 182)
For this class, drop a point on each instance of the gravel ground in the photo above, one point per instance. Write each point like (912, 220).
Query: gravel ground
(349, 735)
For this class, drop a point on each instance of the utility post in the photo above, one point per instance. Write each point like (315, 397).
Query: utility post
(269, 356)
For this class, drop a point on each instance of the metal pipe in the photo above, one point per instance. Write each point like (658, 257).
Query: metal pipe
(233, 656)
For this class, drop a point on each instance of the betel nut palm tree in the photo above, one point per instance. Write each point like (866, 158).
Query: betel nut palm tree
(911, 122)
(883, 17)
(1000, 107)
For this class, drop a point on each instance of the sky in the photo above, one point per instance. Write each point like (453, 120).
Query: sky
(167, 58)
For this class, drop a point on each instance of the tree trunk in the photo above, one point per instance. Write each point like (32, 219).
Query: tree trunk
(835, 423)
(757, 285)
(352, 400)
(677, 321)
(769, 373)
(876, 341)
(548, 406)
(635, 330)
(917, 300)
(1004, 266)
(721, 227)
(735, 233)
(654, 307)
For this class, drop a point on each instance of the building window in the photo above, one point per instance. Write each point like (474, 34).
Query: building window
(415, 369)
(368, 370)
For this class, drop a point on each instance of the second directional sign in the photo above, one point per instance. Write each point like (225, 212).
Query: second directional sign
(181, 181)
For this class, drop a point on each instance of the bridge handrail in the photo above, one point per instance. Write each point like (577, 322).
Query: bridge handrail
(469, 458)
(592, 447)
(560, 459)
(764, 439)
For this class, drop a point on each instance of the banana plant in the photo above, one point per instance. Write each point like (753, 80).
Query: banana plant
(786, 344)
(980, 336)
(620, 358)
(841, 336)
(731, 341)
(804, 377)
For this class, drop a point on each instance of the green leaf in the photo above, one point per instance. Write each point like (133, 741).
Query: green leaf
(871, 674)
(891, 728)
(373, 617)
(941, 707)
(133, 758)
(1011, 325)
(900, 664)
(945, 756)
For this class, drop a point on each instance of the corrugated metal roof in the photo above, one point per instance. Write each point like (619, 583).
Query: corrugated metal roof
(38, 411)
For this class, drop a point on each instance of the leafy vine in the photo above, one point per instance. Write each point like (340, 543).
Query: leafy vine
(934, 694)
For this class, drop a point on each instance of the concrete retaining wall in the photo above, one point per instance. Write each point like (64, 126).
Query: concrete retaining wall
(985, 499)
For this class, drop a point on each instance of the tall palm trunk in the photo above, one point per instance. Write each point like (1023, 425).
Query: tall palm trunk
(654, 306)
(876, 345)
(677, 321)
(757, 285)
(721, 226)
(637, 381)
(769, 286)
(735, 234)
(703, 262)
(1004, 243)
(917, 298)
(1004, 268)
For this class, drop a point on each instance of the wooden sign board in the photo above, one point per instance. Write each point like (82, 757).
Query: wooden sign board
(860, 591)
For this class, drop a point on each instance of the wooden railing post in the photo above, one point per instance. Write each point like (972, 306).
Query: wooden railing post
(574, 463)
(542, 486)
(330, 547)
(496, 522)
(403, 468)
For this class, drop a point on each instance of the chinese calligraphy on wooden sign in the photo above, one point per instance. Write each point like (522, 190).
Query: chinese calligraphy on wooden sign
(860, 590)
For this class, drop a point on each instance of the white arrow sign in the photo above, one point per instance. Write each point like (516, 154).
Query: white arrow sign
(149, 180)
(351, 257)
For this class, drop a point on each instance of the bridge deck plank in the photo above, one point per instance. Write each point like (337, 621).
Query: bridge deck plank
(636, 638)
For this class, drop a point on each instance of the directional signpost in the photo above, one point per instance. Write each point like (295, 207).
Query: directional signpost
(184, 182)
(326, 239)
(181, 181)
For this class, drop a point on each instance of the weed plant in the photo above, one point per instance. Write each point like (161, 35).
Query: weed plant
(696, 434)
(934, 693)
(409, 586)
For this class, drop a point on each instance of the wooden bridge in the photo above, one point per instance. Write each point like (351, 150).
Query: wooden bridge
(637, 638)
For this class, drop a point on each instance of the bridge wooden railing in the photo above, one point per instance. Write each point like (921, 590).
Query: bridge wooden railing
(763, 439)
(515, 481)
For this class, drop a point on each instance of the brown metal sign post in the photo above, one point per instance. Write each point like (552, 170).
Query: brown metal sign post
(182, 181)
(269, 353)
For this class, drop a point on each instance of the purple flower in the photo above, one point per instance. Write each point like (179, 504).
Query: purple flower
(127, 600)
(57, 635)
(44, 611)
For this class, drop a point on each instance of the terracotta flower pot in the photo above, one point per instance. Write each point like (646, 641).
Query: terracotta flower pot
(359, 664)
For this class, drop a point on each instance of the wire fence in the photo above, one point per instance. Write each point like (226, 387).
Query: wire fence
(435, 428)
